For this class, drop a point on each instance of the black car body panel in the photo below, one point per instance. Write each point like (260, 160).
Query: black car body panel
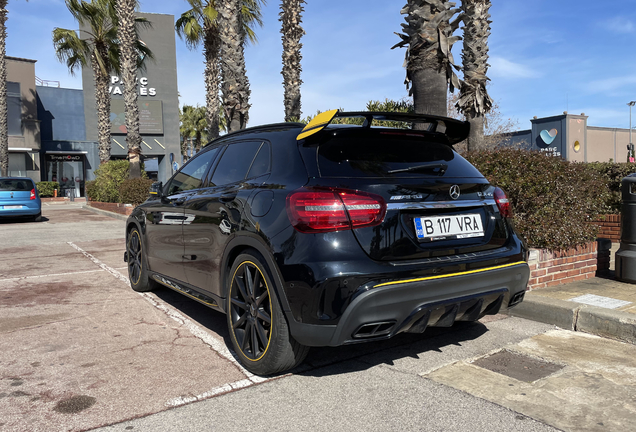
(346, 285)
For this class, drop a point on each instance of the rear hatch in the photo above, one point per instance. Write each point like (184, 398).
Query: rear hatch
(437, 203)
(15, 191)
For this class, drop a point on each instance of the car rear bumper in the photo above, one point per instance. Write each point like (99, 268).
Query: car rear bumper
(388, 308)
(31, 208)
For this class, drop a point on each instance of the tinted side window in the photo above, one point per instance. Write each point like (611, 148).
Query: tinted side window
(260, 165)
(191, 175)
(235, 162)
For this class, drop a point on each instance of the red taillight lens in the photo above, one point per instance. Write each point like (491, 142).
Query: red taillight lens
(503, 203)
(32, 194)
(322, 210)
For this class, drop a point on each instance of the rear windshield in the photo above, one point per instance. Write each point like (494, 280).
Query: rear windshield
(378, 155)
(15, 185)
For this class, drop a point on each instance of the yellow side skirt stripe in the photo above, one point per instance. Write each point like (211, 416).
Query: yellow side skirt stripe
(450, 275)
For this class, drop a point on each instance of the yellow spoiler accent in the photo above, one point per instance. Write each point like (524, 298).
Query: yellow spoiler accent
(450, 275)
(317, 124)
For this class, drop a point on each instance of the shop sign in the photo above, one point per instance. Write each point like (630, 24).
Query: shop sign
(64, 158)
(144, 89)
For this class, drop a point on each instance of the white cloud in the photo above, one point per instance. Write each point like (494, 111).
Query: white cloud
(620, 25)
(503, 68)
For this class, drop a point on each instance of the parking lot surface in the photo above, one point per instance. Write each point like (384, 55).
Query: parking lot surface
(79, 350)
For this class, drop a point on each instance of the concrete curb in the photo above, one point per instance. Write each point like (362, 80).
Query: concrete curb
(105, 213)
(578, 317)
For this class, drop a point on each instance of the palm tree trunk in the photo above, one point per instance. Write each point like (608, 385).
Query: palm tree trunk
(428, 37)
(4, 128)
(235, 87)
(429, 91)
(102, 101)
(474, 101)
(212, 80)
(128, 58)
(291, 17)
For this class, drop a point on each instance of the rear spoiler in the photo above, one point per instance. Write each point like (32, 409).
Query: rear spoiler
(453, 131)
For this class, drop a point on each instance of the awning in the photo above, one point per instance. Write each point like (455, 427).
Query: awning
(63, 152)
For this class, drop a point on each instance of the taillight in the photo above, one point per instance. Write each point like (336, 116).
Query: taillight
(32, 194)
(502, 203)
(334, 209)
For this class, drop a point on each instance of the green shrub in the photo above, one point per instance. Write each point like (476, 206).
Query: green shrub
(108, 178)
(46, 188)
(614, 173)
(553, 200)
(134, 191)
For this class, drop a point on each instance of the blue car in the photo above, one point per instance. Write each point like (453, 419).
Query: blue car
(19, 198)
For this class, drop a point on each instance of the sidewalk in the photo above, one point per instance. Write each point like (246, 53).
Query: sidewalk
(600, 306)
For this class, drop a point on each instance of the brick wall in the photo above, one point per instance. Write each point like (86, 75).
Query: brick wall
(610, 227)
(124, 209)
(554, 268)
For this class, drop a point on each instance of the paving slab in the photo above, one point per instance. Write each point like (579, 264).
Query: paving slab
(80, 350)
(595, 391)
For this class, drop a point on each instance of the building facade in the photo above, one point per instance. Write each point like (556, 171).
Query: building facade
(59, 125)
(158, 100)
(22, 118)
(569, 136)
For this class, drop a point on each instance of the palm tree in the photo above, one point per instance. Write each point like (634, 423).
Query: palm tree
(194, 125)
(474, 101)
(130, 60)
(4, 128)
(428, 36)
(200, 25)
(291, 18)
(99, 49)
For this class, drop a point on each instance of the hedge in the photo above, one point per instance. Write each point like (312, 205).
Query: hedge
(135, 191)
(46, 188)
(109, 177)
(553, 200)
(613, 174)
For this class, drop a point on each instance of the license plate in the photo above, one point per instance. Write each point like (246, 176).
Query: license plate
(13, 207)
(449, 227)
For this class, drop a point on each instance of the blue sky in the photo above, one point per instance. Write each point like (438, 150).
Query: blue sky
(546, 56)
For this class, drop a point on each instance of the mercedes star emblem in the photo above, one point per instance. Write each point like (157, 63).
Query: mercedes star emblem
(454, 192)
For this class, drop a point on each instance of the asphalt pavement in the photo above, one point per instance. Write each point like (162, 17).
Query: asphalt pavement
(79, 350)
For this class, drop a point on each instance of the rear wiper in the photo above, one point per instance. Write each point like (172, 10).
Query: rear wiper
(429, 166)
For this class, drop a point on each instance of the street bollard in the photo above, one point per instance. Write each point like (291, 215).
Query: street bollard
(626, 255)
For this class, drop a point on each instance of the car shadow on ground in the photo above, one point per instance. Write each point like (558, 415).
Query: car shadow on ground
(19, 220)
(326, 361)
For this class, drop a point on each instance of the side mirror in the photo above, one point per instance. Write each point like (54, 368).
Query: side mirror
(156, 190)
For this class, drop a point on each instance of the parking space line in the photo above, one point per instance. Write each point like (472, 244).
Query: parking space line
(49, 275)
(217, 345)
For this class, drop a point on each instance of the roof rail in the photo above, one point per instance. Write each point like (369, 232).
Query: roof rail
(46, 83)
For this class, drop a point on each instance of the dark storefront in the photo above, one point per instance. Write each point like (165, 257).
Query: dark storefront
(69, 170)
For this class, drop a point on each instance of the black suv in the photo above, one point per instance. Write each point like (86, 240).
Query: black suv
(330, 234)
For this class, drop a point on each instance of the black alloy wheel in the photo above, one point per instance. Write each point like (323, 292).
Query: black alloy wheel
(137, 267)
(251, 311)
(258, 328)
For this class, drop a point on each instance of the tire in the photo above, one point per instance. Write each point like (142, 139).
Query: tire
(37, 218)
(254, 311)
(137, 264)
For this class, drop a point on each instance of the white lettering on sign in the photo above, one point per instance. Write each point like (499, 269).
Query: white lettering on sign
(144, 89)
(551, 151)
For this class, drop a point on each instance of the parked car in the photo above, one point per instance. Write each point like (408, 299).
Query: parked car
(330, 234)
(19, 198)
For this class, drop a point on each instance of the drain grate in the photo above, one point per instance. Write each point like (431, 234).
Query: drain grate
(518, 366)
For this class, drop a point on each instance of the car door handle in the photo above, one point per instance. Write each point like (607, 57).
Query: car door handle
(228, 196)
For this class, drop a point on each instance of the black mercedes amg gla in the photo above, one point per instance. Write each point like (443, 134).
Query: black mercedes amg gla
(330, 234)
